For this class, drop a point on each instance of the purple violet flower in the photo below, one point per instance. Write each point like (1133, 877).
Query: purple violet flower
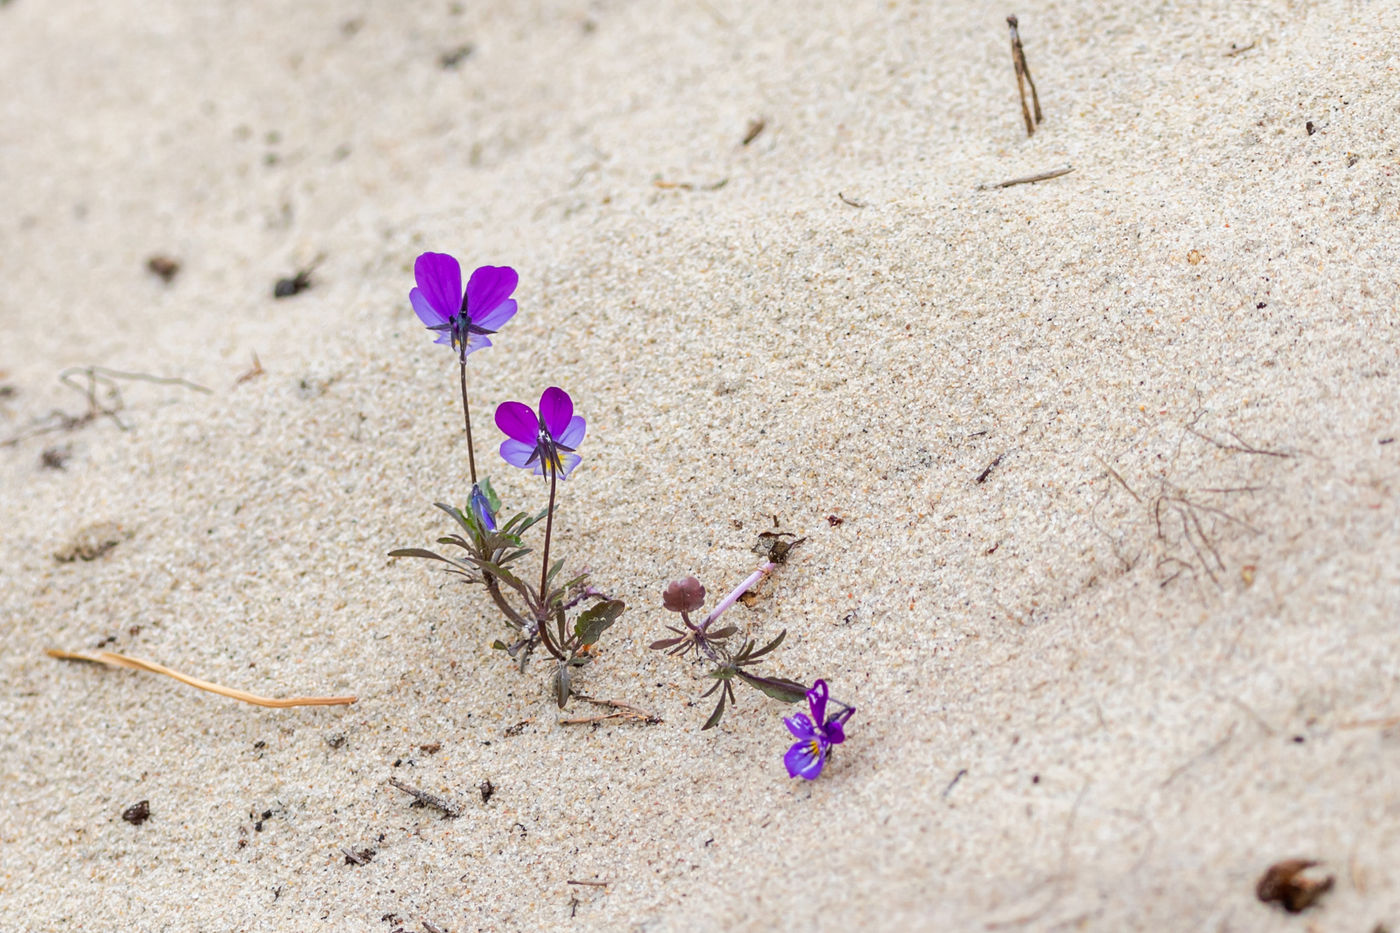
(815, 734)
(545, 441)
(462, 321)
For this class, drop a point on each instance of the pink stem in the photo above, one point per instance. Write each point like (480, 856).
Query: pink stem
(740, 590)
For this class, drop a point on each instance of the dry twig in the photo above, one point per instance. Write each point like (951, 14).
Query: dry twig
(426, 799)
(87, 380)
(621, 710)
(1023, 78)
(1384, 723)
(1029, 179)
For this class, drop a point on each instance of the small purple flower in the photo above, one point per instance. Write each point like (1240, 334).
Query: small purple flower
(481, 508)
(815, 734)
(545, 441)
(462, 320)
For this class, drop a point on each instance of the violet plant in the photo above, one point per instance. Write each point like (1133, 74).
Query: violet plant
(545, 443)
(732, 657)
(729, 658)
(489, 552)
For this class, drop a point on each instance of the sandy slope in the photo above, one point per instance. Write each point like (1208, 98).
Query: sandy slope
(1141, 640)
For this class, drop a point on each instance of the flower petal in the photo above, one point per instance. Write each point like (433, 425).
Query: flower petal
(496, 319)
(805, 759)
(569, 461)
(488, 288)
(572, 436)
(439, 278)
(835, 732)
(518, 455)
(816, 699)
(475, 342)
(517, 420)
(800, 726)
(425, 311)
(556, 411)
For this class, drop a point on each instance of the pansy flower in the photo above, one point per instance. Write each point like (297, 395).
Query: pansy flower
(460, 320)
(815, 734)
(544, 441)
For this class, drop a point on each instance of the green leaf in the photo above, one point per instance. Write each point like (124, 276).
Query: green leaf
(419, 552)
(592, 623)
(570, 584)
(492, 499)
(718, 714)
(767, 648)
(456, 514)
(457, 541)
(558, 565)
(499, 645)
(779, 688)
(517, 523)
(561, 685)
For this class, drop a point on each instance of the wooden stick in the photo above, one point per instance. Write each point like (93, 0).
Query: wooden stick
(622, 710)
(427, 799)
(1029, 179)
(113, 659)
(1023, 77)
(1385, 723)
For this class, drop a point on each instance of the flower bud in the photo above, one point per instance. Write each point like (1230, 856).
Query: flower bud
(684, 595)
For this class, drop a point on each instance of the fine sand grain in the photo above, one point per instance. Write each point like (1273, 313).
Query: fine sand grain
(1116, 587)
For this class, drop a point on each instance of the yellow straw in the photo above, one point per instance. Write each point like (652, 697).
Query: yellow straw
(121, 660)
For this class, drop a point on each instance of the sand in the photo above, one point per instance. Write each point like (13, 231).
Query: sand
(1102, 684)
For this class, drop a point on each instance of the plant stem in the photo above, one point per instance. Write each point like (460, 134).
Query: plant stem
(548, 533)
(494, 588)
(467, 415)
(740, 590)
(542, 630)
(588, 593)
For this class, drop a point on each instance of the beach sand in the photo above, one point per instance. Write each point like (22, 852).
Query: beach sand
(1115, 456)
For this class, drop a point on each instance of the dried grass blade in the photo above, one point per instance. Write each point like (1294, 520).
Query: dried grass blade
(112, 659)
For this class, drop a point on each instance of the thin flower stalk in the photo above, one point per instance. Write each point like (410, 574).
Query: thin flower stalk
(462, 319)
(749, 583)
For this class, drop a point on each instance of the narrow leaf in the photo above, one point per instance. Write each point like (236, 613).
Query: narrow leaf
(561, 685)
(570, 584)
(457, 516)
(419, 552)
(717, 715)
(558, 565)
(779, 688)
(768, 647)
